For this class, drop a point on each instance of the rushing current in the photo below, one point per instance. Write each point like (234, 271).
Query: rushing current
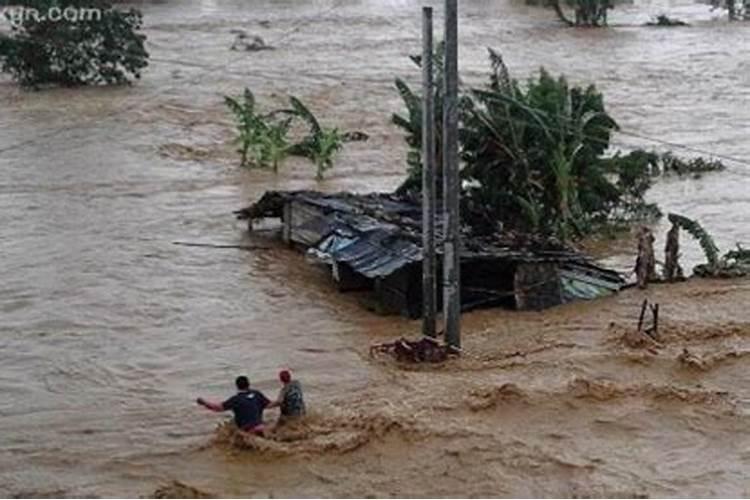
(109, 331)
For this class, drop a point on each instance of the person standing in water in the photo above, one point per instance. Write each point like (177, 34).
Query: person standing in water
(247, 406)
(290, 399)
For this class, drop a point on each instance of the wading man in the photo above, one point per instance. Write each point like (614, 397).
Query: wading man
(247, 406)
(290, 399)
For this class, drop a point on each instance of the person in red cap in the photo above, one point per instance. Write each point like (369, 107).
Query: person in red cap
(290, 399)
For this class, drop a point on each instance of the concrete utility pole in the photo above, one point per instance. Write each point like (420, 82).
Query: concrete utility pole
(429, 298)
(451, 183)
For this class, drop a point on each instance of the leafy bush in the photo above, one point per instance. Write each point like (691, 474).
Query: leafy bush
(672, 164)
(247, 123)
(733, 264)
(263, 138)
(693, 227)
(105, 49)
(534, 156)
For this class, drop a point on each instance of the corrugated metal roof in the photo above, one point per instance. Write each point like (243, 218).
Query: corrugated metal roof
(378, 253)
(378, 234)
(586, 281)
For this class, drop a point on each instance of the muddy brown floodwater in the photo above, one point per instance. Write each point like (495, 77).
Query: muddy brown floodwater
(108, 331)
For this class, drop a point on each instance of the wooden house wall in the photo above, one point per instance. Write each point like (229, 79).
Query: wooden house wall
(303, 223)
(537, 286)
(401, 292)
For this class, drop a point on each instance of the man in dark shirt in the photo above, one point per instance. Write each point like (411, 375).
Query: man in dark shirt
(247, 406)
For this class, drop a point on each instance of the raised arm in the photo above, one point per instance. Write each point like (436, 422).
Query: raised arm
(217, 407)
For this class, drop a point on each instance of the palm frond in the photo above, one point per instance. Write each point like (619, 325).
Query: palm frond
(303, 112)
(693, 227)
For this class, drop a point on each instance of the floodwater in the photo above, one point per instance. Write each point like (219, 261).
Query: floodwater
(109, 331)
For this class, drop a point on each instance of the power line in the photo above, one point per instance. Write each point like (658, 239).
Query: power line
(686, 147)
(618, 130)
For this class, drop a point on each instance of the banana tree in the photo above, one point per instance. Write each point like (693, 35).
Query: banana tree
(321, 144)
(249, 125)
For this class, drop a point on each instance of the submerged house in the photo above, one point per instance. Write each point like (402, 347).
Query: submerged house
(373, 242)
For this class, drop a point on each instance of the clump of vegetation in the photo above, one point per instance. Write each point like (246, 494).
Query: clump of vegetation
(694, 229)
(672, 164)
(536, 157)
(262, 138)
(735, 263)
(321, 144)
(264, 142)
(247, 123)
(533, 157)
(93, 44)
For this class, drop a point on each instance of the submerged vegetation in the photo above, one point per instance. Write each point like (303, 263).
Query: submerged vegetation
(263, 138)
(99, 45)
(732, 264)
(536, 157)
(533, 155)
(593, 13)
(321, 144)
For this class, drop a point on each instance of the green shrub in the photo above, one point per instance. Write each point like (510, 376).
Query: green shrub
(533, 156)
(262, 139)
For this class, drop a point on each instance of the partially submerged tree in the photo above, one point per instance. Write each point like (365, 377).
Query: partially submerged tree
(536, 157)
(694, 229)
(89, 42)
(321, 144)
(263, 138)
(533, 154)
(246, 122)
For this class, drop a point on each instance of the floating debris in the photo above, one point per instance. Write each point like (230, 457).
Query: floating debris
(250, 44)
(662, 20)
(425, 350)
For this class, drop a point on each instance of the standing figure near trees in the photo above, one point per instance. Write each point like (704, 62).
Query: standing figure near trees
(645, 264)
(672, 269)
